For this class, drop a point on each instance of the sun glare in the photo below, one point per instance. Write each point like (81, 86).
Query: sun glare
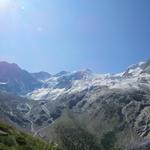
(11, 6)
(4, 4)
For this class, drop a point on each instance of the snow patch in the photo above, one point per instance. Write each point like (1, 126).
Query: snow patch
(136, 71)
(2, 83)
(141, 63)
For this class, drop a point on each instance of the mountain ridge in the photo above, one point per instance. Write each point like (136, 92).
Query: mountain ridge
(77, 107)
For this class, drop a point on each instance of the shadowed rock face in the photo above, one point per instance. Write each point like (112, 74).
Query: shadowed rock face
(16, 80)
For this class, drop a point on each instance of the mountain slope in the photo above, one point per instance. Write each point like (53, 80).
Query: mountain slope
(134, 77)
(14, 79)
(82, 110)
(11, 139)
(104, 106)
(41, 76)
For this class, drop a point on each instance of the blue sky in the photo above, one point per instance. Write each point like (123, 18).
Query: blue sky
(54, 35)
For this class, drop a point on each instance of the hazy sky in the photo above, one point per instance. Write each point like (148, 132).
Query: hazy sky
(54, 35)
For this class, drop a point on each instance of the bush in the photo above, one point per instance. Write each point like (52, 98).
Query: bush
(8, 140)
(108, 140)
(21, 140)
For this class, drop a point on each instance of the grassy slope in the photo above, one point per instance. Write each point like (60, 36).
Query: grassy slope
(11, 139)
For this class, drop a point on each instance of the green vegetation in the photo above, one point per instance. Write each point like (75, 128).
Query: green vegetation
(108, 140)
(11, 139)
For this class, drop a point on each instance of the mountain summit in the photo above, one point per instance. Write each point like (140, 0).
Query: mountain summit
(16, 80)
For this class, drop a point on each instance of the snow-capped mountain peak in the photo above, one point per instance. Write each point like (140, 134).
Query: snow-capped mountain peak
(77, 81)
(138, 69)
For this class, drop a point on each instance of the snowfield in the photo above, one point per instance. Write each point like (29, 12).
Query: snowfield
(78, 81)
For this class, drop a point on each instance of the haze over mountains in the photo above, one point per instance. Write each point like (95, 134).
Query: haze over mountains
(16, 80)
(79, 110)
